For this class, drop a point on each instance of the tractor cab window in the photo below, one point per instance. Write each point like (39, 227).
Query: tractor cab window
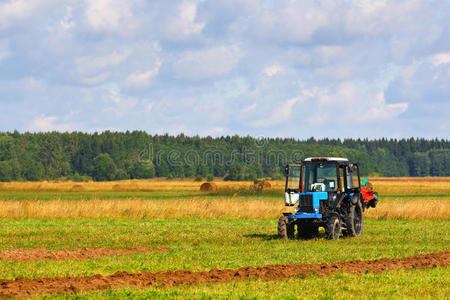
(341, 176)
(355, 176)
(349, 178)
(320, 177)
(293, 178)
(352, 177)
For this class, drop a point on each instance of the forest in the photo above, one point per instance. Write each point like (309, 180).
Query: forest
(109, 155)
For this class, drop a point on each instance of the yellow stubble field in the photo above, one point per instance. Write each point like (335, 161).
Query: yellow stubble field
(422, 198)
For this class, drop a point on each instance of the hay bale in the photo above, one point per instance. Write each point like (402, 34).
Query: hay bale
(210, 187)
(261, 184)
(77, 188)
(118, 187)
(126, 187)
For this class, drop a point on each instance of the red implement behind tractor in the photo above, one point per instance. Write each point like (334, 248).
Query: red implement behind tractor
(369, 196)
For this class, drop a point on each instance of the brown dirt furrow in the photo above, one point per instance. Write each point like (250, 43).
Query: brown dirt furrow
(23, 287)
(74, 254)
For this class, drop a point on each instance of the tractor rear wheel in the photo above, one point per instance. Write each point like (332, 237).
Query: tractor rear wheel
(285, 228)
(307, 229)
(333, 228)
(354, 221)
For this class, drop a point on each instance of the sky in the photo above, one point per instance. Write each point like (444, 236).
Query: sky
(265, 68)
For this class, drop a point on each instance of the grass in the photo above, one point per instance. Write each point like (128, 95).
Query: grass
(399, 208)
(415, 199)
(202, 244)
(217, 207)
(194, 207)
(232, 228)
(412, 284)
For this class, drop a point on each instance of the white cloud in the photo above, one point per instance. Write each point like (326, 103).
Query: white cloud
(34, 84)
(118, 104)
(346, 95)
(148, 108)
(112, 16)
(94, 80)
(337, 72)
(4, 49)
(92, 64)
(15, 11)
(348, 102)
(373, 17)
(215, 131)
(49, 123)
(249, 108)
(440, 59)
(332, 106)
(273, 70)
(281, 113)
(140, 80)
(291, 21)
(425, 79)
(202, 64)
(43, 123)
(67, 22)
(379, 110)
(183, 25)
(228, 64)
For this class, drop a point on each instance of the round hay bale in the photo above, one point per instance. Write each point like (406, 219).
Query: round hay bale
(261, 184)
(77, 188)
(208, 187)
(117, 187)
(267, 185)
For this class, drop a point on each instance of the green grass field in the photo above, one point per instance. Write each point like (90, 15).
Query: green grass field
(203, 243)
(416, 284)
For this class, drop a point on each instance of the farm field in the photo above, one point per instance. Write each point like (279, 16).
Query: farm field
(183, 229)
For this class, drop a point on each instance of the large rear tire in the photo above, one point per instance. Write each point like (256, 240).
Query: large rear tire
(333, 228)
(285, 228)
(307, 229)
(354, 221)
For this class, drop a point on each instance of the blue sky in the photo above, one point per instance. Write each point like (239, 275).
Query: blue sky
(220, 67)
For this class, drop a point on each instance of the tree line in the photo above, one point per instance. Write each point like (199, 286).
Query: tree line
(109, 155)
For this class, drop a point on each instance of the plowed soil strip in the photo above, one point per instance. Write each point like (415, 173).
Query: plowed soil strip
(74, 254)
(22, 287)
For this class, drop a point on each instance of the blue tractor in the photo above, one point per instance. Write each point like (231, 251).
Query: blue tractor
(327, 193)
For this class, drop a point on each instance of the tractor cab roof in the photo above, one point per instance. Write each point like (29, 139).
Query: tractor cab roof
(339, 160)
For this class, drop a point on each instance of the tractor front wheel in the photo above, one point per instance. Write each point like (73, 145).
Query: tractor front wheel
(285, 228)
(333, 228)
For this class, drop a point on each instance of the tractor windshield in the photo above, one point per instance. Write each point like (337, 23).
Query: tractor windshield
(293, 178)
(320, 177)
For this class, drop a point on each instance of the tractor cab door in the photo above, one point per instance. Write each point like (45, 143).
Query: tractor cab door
(292, 188)
(351, 178)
